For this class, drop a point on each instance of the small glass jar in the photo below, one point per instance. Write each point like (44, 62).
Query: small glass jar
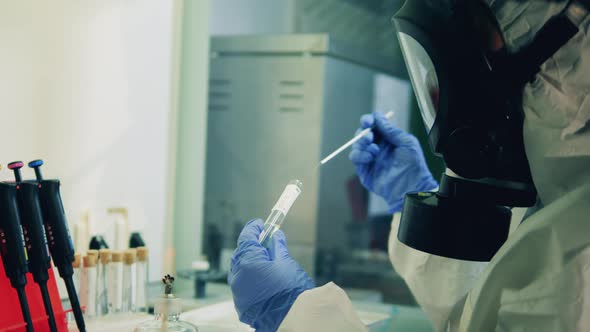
(167, 317)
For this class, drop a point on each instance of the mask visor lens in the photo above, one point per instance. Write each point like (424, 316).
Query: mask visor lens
(423, 77)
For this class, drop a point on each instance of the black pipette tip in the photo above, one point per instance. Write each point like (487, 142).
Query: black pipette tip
(24, 306)
(36, 164)
(16, 166)
(48, 307)
(75, 304)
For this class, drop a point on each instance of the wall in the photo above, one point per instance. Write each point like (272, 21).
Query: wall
(86, 86)
(18, 137)
(191, 132)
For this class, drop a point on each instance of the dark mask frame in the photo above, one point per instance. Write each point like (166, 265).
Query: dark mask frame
(477, 126)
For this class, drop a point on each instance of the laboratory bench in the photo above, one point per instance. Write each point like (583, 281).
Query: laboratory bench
(216, 313)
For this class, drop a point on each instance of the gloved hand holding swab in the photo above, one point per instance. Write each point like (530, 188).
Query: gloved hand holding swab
(388, 115)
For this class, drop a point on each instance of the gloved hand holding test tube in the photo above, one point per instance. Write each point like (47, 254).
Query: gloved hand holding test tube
(279, 211)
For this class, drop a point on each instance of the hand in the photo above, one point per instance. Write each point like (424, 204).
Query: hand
(392, 165)
(264, 282)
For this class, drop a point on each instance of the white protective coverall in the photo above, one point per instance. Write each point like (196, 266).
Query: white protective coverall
(540, 279)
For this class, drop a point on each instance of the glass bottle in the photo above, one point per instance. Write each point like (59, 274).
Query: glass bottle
(167, 313)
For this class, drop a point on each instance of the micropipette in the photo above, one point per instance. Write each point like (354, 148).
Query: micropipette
(35, 237)
(12, 247)
(365, 131)
(60, 242)
(279, 211)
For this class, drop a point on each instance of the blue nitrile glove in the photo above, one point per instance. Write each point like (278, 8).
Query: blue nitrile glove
(392, 166)
(264, 282)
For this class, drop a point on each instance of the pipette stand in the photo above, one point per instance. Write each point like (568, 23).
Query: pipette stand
(11, 319)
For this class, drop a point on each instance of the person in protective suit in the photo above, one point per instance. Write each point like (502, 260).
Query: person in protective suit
(538, 280)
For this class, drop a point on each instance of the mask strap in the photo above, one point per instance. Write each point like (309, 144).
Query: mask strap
(552, 36)
(576, 11)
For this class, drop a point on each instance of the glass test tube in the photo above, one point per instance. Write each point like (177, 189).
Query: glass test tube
(280, 210)
(142, 278)
(102, 303)
(129, 280)
(77, 265)
(92, 252)
(88, 282)
(115, 282)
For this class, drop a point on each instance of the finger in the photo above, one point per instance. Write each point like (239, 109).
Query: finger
(365, 140)
(278, 248)
(248, 253)
(251, 232)
(367, 120)
(361, 156)
(373, 149)
(361, 153)
(391, 133)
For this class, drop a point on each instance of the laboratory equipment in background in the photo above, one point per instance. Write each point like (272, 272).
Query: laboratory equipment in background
(113, 234)
(77, 275)
(60, 241)
(167, 312)
(44, 232)
(102, 306)
(88, 285)
(92, 252)
(129, 280)
(98, 242)
(82, 232)
(115, 282)
(35, 238)
(213, 246)
(121, 227)
(279, 211)
(111, 282)
(13, 250)
(142, 278)
(136, 240)
(277, 105)
(202, 272)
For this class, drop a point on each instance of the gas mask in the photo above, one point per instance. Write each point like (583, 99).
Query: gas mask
(469, 88)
